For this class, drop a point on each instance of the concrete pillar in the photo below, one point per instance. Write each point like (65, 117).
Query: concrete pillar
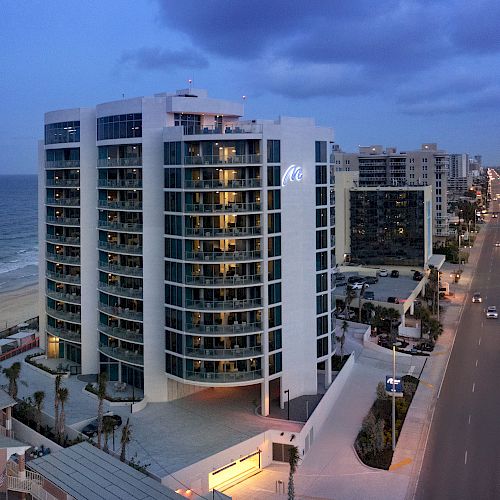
(412, 308)
(328, 372)
(8, 421)
(264, 398)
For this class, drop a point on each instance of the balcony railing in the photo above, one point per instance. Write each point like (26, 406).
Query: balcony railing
(117, 269)
(121, 312)
(66, 278)
(120, 162)
(224, 256)
(62, 183)
(61, 202)
(64, 259)
(223, 232)
(223, 304)
(64, 315)
(129, 227)
(63, 221)
(118, 290)
(120, 205)
(223, 184)
(235, 329)
(223, 377)
(229, 128)
(64, 334)
(226, 160)
(237, 352)
(63, 240)
(221, 208)
(223, 280)
(73, 298)
(118, 248)
(120, 183)
(62, 164)
(121, 354)
(121, 333)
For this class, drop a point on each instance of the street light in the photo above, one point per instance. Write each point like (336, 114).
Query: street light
(287, 392)
(393, 397)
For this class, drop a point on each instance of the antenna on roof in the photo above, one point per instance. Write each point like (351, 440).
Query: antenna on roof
(190, 84)
(244, 97)
(123, 95)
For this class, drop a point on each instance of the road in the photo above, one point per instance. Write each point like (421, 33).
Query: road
(462, 459)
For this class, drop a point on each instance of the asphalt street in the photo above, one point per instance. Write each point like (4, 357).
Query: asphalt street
(462, 458)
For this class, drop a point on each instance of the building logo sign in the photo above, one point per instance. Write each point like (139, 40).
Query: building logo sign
(292, 173)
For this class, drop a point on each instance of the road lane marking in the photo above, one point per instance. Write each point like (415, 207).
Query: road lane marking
(469, 419)
(477, 362)
(479, 341)
(465, 457)
(473, 386)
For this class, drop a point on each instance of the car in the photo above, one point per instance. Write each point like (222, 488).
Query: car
(417, 275)
(90, 430)
(497, 244)
(476, 297)
(371, 280)
(394, 274)
(383, 273)
(341, 283)
(492, 312)
(355, 279)
(495, 216)
(393, 300)
(359, 286)
(369, 295)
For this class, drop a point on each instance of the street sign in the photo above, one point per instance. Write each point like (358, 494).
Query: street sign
(398, 385)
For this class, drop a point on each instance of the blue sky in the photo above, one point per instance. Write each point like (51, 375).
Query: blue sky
(397, 72)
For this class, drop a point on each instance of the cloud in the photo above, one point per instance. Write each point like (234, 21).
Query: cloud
(155, 58)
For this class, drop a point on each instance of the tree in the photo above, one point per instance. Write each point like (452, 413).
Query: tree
(361, 297)
(101, 394)
(350, 294)
(13, 373)
(57, 386)
(38, 398)
(125, 439)
(108, 427)
(63, 395)
(369, 310)
(293, 460)
(381, 393)
(341, 338)
(394, 318)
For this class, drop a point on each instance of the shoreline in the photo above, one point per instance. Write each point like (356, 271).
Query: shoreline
(16, 306)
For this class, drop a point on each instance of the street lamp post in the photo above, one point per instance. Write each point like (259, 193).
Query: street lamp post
(393, 397)
(287, 392)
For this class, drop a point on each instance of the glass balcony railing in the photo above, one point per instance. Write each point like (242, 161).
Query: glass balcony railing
(62, 164)
(72, 298)
(117, 269)
(228, 128)
(223, 232)
(121, 312)
(223, 208)
(234, 329)
(223, 184)
(120, 162)
(224, 256)
(223, 280)
(64, 278)
(132, 357)
(63, 259)
(237, 352)
(121, 333)
(120, 183)
(129, 227)
(225, 160)
(63, 221)
(61, 202)
(223, 305)
(62, 183)
(64, 334)
(118, 290)
(64, 315)
(63, 240)
(223, 377)
(120, 205)
(119, 248)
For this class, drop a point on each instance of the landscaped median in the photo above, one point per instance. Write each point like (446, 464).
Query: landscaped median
(373, 444)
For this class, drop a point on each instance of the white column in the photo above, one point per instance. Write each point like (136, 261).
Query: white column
(42, 233)
(264, 398)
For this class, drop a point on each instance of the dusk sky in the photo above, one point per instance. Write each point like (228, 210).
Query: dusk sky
(396, 73)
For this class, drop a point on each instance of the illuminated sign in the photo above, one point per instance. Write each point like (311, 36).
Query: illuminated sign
(292, 173)
(397, 387)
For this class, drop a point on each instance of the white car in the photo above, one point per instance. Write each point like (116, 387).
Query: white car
(359, 286)
(383, 272)
(492, 312)
(477, 297)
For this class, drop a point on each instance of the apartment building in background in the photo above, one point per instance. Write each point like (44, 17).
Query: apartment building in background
(183, 248)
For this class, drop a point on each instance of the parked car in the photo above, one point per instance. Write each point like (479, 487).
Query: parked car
(394, 274)
(497, 244)
(341, 283)
(477, 297)
(369, 295)
(383, 273)
(90, 430)
(371, 280)
(417, 275)
(393, 300)
(492, 312)
(355, 279)
(359, 285)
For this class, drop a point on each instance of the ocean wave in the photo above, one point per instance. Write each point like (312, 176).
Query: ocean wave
(25, 259)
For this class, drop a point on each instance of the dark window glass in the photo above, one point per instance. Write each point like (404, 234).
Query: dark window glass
(173, 295)
(173, 342)
(321, 282)
(274, 267)
(321, 217)
(173, 365)
(274, 293)
(273, 199)
(321, 174)
(273, 152)
(321, 239)
(321, 325)
(173, 225)
(173, 178)
(172, 153)
(274, 246)
(275, 363)
(321, 304)
(274, 223)
(173, 271)
(57, 133)
(320, 152)
(173, 318)
(275, 340)
(173, 201)
(322, 347)
(273, 176)
(119, 127)
(173, 248)
(321, 261)
(321, 196)
(274, 316)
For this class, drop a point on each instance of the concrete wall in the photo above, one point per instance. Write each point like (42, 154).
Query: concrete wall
(27, 435)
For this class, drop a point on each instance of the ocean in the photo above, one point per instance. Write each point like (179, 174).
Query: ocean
(18, 231)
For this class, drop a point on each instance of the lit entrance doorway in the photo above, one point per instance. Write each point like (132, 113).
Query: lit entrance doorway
(234, 472)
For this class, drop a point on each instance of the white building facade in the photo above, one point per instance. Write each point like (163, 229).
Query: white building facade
(185, 248)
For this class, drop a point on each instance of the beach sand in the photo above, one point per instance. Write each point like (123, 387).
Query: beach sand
(18, 306)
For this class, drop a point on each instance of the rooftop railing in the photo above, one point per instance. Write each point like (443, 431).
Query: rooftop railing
(228, 128)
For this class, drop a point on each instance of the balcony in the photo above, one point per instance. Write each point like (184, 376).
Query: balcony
(237, 352)
(223, 160)
(234, 329)
(228, 128)
(118, 290)
(223, 208)
(223, 377)
(121, 312)
(120, 183)
(223, 280)
(64, 315)
(62, 183)
(120, 162)
(223, 305)
(128, 227)
(118, 269)
(74, 279)
(64, 334)
(63, 259)
(72, 298)
(121, 333)
(63, 240)
(63, 221)
(118, 248)
(223, 232)
(224, 256)
(223, 184)
(62, 202)
(132, 357)
(62, 164)
(120, 205)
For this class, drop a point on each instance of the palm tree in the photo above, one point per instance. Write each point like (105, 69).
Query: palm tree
(350, 294)
(361, 296)
(125, 439)
(38, 398)
(63, 395)
(293, 460)
(369, 309)
(393, 317)
(108, 426)
(341, 338)
(12, 373)
(101, 394)
(57, 386)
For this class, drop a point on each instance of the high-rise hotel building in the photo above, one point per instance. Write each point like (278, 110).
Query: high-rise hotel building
(184, 248)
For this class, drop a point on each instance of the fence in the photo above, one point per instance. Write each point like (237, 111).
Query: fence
(20, 349)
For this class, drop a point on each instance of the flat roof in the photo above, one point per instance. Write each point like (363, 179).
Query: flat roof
(6, 341)
(22, 334)
(436, 260)
(87, 473)
(6, 400)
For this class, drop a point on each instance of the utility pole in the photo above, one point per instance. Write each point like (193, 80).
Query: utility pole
(393, 397)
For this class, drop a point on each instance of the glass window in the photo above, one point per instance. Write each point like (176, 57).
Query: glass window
(320, 152)
(275, 363)
(274, 246)
(173, 225)
(274, 293)
(321, 261)
(321, 196)
(322, 304)
(274, 316)
(173, 295)
(273, 199)
(57, 133)
(321, 239)
(321, 217)
(119, 126)
(321, 282)
(173, 365)
(274, 223)
(173, 201)
(173, 248)
(273, 176)
(321, 177)
(274, 267)
(322, 347)
(172, 153)
(173, 178)
(273, 152)
(275, 340)
(322, 325)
